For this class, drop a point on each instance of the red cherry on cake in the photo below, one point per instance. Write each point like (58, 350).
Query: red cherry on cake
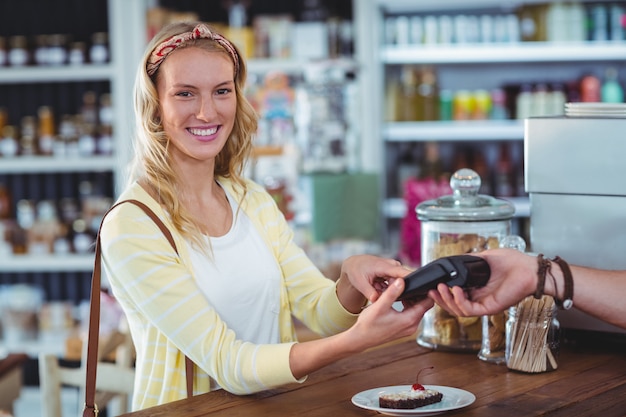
(417, 386)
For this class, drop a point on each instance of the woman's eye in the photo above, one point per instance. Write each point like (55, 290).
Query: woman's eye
(184, 94)
(223, 91)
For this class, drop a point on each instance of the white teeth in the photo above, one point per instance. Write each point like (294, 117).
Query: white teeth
(203, 132)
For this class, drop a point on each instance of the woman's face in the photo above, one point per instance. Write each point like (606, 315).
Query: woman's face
(196, 91)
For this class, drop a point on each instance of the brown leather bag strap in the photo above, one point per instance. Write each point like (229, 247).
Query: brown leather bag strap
(91, 408)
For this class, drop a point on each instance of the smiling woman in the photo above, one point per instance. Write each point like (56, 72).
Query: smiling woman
(197, 108)
(225, 296)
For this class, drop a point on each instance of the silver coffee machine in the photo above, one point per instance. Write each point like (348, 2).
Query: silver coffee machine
(575, 173)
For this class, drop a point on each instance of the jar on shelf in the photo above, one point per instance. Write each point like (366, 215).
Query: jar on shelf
(9, 145)
(40, 54)
(77, 53)
(46, 130)
(57, 49)
(28, 136)
(18, 55)
(462, 223)
(533, 335)
(3, 51)
(99, 49)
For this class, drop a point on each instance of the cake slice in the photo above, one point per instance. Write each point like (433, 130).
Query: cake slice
(410, 399)
(417, 396)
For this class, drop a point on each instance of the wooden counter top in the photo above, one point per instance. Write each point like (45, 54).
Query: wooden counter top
(588, 382)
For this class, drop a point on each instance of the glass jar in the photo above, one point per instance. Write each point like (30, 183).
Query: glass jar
(461, 223)
(493, 346)
(533, 335)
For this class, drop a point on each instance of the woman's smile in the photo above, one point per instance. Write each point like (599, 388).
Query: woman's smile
(203, 133)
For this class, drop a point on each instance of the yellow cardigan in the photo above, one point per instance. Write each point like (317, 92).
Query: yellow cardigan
(170, 318)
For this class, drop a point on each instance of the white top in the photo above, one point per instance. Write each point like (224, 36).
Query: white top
(242, 282)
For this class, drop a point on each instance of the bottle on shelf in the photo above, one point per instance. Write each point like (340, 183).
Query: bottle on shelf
(598, 23)
(612, 91)
(40, 55)
(499, 109)
(9, 145)
(25, 219)
(3, 51)
(482, 169)
(28, 136)
(432, 164)
(446, 108)
(104, 144)
(6, 214)
(86, 138)
(89, 108)
(462, 105)
(482, 105)
(105, 112)
(77, 54)
(4, 118)
(427, 95)
(67, 143)
(556, 99)
(407, 167)
(6, 204)
(57, 50)
(590, 89)
(523, 101)
(617, 28)
(81, 239)
(393, 95)
(238, 31)
(504, 180)
(539, 100)
(18, 55)
(46, 131)
(409, 100)
(99, 49)
(532, 18)
(45, 229)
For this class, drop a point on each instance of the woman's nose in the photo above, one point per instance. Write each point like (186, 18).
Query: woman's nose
(206, 109)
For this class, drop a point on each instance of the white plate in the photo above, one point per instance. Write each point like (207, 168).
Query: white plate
(453, 398)
(596, 106)
(597, 115)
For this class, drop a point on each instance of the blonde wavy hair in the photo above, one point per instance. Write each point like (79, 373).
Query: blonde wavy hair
(151, 161)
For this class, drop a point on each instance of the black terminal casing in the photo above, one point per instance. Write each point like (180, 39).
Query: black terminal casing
(466, 271)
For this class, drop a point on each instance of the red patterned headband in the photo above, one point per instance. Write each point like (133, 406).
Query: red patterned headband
(166, 47)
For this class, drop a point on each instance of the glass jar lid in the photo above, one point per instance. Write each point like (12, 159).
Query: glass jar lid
(465, 204)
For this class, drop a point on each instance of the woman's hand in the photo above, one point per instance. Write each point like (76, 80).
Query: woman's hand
(364, 277)
(381, 322)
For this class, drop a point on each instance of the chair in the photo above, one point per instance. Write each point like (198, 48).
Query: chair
(114, 380)
(11, 376)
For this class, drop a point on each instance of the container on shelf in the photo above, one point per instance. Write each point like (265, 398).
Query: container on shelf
(20, 305)
(461, 223)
